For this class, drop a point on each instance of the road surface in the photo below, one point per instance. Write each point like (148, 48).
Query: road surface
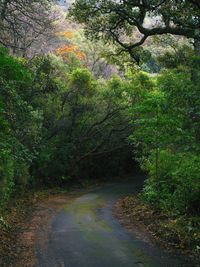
(84, 233)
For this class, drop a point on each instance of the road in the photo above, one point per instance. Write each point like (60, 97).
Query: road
(84, 233)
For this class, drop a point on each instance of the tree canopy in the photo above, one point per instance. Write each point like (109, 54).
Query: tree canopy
(75, 106)
(117, 20)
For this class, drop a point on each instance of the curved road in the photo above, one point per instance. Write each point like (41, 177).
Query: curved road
(85, 234)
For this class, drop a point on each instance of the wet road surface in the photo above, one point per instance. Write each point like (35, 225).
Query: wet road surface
(84, 233)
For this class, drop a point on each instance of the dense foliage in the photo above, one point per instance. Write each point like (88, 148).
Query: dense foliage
(129, 24)
(166, 134)
(165, 109)
(64, 115)
(58, 122)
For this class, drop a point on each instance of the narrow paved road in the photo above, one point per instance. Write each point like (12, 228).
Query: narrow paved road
(85, 234)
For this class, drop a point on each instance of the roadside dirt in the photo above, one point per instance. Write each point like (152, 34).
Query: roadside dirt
(39, 220)
(17, 241)
(151, 225)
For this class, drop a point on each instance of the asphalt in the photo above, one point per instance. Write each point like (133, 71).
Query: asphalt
(84, 233)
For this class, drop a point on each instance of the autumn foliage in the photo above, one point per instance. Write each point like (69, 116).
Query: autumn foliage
(67, 34)
(70, 49)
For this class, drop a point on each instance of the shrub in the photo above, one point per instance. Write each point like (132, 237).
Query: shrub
(175, 186)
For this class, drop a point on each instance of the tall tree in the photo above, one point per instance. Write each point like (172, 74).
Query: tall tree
(23, 22)
(116, 20)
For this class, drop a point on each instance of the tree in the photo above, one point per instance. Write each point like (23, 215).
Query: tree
(117, 20)
(85, 121)
(23, 23)
(20, 125)
(91, 54)
(166, 137)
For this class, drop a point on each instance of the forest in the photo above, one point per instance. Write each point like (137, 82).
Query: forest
(95, 89)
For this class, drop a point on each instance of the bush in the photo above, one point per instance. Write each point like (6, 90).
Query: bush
(6, 175)
(175, 184)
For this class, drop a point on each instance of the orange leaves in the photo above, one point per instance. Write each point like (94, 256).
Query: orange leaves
(80, 55)
(67, 34)
(66, 50)
(71, 48)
